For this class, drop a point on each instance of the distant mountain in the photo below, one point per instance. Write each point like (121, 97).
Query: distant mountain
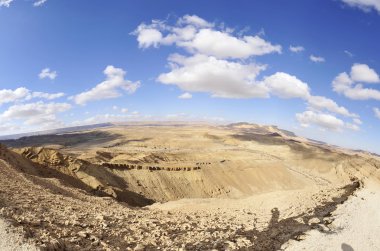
(55, 131)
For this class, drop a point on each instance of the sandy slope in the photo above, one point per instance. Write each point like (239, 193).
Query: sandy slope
(356, 225)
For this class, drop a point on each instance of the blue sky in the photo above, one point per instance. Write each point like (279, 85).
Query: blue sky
(307, 66)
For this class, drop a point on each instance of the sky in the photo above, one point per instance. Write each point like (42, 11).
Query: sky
(311, 67)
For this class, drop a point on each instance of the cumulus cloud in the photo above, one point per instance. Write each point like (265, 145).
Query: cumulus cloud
(5, 3)
(220, 63)
(47, 73)
(23, 94)
(8, 96)
(348, 86)
(39, 3)
(39, 113)
(317, 59)
(113, 87)
(365, 5)
(149, 37)
(224, 45)
(377, 112)
(45, 95)
(284, 85)
(296, 49)
(362, 73)
(227, 79)
(194, 20)
(323, 120)
(198, 36)
(221, 78)
(185, 95)
(322, 103)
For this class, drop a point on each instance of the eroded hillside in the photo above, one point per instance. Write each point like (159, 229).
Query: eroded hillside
(169, 163)
(235, 185)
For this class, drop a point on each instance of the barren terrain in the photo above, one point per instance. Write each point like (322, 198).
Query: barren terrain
(182, 186)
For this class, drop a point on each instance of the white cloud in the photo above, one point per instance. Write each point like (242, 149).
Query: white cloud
(352, 126)
(323, 120)
(47, 73)
(227, 79)
(224, 45)
(348, 53)
(113, 87)
(346, 84)
(284, 85)
(296, 49)
(9, 96)
(194, 20)
(322, 103)
(317, 59)
(38, 114)
(357, 121)
(39, 3)
(5, 3)
(185, 95)
(198, 36)
(48, 96)
(362, 73)
(149, 37)
(377, 112)
(23, 94)
(342, 82)
(221, 78)
(124, 110)
(215, 66)
(360, 93)
(365, 5)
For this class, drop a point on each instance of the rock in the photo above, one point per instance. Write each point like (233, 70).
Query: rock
(300, 237)
(139, 247)
(83, 234)
(314, 221)
(99, 217)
